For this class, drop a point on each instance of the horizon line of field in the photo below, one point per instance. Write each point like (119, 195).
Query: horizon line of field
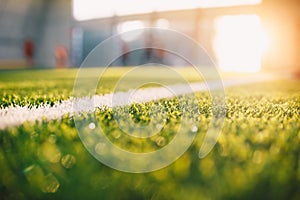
(16, 115)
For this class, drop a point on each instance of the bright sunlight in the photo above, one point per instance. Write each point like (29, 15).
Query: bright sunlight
(240, 42)
(92, 9)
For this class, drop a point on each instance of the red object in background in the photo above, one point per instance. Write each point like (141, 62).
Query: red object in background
(61, 56)
(29, 51)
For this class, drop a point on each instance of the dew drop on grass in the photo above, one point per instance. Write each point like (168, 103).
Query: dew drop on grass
(100, 148)
(89, 141)
(35, 176)
(68, 161)
(159, 126)
(92, 126)
(116, 134)
(160, 141)
(194, 129)
(51, 184)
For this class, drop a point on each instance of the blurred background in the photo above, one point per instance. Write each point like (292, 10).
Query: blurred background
(241, 35)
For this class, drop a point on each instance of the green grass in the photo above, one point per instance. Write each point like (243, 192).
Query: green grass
(256, 157)
(36, 87)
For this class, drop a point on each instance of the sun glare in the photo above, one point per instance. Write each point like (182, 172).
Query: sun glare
(162, 23)
(240, 42)
(92, 9)
(126, 26)
(226, 3)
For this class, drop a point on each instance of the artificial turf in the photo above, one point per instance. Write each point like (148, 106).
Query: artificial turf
(256, 157)
(36, 87)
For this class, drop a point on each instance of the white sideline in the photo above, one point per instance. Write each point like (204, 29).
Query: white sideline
(17, 115)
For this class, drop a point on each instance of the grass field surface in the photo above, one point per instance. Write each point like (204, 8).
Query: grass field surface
(256, 157)
(35, 87)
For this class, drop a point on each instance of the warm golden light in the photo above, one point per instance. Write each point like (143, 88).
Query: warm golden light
(91, 9)
(240, 42)
(226, 3)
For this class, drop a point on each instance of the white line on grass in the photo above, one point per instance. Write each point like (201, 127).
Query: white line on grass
(17, 115)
